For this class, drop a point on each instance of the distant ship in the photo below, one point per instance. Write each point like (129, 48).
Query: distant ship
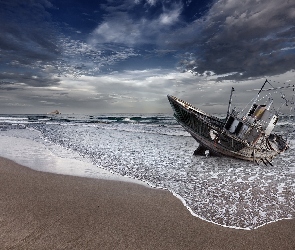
(246, 136)
(55, 112)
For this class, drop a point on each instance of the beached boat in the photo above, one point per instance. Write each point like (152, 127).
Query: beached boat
(246, 136)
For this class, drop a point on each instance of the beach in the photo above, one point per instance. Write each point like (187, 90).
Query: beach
(49, 211)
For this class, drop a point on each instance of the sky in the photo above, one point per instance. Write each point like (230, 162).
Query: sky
(125, 56)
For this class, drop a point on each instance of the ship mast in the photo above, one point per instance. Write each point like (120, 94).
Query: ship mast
(254, 105)
(263, 86)
(229, 103)
(260, 90)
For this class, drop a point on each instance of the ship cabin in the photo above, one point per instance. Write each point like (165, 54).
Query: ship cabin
(259, 121)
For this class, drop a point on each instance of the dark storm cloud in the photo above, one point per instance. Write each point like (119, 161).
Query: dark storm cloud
(232, 39)
(243, 39)
(21, 80)
(26, 32)
(28, 44)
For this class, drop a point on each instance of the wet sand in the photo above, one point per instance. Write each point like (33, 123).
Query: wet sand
(48, 211)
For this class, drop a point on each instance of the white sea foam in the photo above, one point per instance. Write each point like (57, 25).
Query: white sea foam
(40, 157)
(224, 191)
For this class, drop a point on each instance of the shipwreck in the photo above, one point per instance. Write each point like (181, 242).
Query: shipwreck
(244, 135)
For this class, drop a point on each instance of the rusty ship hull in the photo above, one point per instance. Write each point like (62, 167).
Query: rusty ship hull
(232, 137)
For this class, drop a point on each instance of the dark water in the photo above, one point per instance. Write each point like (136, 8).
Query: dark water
(155, 149)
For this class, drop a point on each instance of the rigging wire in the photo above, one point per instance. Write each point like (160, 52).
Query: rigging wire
(271, 96)
(286, 102)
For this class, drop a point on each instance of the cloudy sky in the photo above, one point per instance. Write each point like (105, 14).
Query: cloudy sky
(125, 56)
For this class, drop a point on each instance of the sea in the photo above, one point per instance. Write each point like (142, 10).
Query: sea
(154, 150)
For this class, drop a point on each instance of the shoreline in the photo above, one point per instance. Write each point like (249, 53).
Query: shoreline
(42, 210)
(40, 158)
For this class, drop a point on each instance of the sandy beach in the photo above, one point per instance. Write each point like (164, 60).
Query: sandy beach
(48, 211)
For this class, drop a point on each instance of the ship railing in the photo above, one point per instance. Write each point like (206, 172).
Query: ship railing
(204, 116)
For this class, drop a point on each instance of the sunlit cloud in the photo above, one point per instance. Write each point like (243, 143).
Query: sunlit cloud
(121, 27)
